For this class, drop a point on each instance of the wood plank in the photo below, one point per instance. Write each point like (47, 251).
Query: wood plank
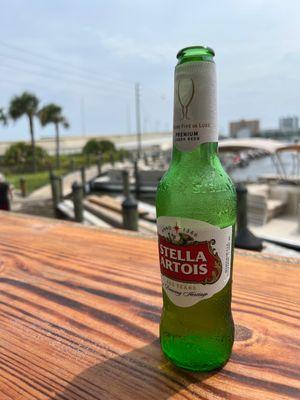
(113, 203)
(67, 208)
(147, 210)
(115, 218)
(106, 201)
(79, 313)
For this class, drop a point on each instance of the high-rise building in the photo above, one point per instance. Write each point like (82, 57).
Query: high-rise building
(289, 124)
(244, 128)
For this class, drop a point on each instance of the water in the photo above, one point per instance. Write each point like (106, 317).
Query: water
(261, 166)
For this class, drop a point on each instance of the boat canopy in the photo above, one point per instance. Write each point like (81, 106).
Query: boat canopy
(272, 147)
(267, 145)
(289, 147)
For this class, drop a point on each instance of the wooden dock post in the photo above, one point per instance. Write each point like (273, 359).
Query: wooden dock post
(55, 189)
(72, 165)
(129, 206)
(61, 187)
(146, 161)
(23, 187)
(77, 196)
(244, 238)
(99, 163)
(83, 179)
(137, 178)
(112, 159)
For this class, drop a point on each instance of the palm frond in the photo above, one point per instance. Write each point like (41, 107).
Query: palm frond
(27, 103)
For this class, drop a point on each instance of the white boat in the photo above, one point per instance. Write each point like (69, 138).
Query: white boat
(274, 200)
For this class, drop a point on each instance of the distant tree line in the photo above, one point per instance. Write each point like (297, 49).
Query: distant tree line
(27, 104)
(19, 155)
(107, 149)
(94, 146)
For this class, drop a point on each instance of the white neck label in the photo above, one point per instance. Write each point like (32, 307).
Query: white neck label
(195, 108)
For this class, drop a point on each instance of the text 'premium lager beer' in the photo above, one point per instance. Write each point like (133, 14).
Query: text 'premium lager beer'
(196, 213)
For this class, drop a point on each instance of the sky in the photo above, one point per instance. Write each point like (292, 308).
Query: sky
(87, 56)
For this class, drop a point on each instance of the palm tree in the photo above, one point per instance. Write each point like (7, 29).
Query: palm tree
(3, 117)
(25, 104)
(52, 114)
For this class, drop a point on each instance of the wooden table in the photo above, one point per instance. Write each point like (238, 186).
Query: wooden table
(80, 309)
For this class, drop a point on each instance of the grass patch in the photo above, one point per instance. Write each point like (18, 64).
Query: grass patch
(33, 181)
(67, 163)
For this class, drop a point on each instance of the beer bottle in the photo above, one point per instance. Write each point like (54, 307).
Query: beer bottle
(196, 214)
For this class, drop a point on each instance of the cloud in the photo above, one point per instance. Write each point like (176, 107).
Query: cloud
(128, 47)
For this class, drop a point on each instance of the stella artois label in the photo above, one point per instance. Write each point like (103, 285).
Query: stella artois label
(195, 108)
(195, 259)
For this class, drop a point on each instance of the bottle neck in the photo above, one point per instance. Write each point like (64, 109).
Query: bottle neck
(205, 153)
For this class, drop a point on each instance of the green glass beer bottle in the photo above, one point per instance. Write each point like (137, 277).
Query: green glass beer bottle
(196, 214)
